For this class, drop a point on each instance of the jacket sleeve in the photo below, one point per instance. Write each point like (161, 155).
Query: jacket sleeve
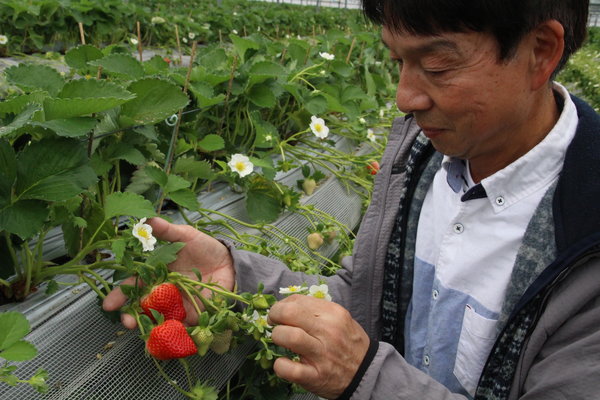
(252, 269)
(390, 377)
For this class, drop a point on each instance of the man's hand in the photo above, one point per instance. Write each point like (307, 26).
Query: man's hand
(331, 344)
(201, 251)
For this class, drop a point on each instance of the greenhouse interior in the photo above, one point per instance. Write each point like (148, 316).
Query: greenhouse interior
(259, 123)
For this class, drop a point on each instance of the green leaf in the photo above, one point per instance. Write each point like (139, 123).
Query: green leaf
(33, 77)
(118, 249)
(20, 351)
(127, 152)
(266, 133)
(53, 170)
(165, 254)
(194, 168)
(155, 100)
(13, 327)
(127, 203)
(262, 96)
(80, 56)
(8, 172)
(204, 94)
(72, 127)
(175, 183)
(185, 198)
(120, 65)
(21, 120)
(341, 68)
(158, 175)
(140, 182)
(16, 105)
(24, 218)
(261, 71)
(155, 65)
(316, 105)
(211, 142)
(84, 97)
(242, 45)
(263, 204)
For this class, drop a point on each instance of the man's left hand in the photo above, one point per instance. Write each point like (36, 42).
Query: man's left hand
(331, 344)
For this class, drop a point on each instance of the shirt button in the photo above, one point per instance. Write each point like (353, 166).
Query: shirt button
(500, 200)
(435, 294)
(426, 360)
(458, 228)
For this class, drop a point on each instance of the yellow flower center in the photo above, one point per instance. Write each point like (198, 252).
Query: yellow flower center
(319, 295)
(240, 165)
(293, 288)
(318, 127)
(263, 321)
(143, 233)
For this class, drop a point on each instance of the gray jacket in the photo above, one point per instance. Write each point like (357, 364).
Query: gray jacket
(552, 311)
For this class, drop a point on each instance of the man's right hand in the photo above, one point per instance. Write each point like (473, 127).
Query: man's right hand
(201, 252)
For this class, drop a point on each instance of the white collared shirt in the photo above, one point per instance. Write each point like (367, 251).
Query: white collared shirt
(465, 252)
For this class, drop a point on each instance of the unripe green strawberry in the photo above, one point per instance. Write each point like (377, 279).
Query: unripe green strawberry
(330, 236)
(221, 341)
(260, 302)
(170, 340)
(166, 299)
(203, 337)
(314, 240)
(232, 323)
(265, 363)
(309, 186)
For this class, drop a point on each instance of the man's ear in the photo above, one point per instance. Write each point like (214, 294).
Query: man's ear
(548, 47)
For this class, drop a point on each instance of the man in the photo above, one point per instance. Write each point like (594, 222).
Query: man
(475, 272)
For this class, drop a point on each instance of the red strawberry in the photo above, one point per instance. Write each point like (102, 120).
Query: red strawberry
(166, 299)
(373, 167)
(170, 340)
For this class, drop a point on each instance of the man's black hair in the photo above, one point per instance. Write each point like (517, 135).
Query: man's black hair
(508, 20)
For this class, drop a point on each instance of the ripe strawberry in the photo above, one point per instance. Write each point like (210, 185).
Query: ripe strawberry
(166, 299)
(309, 186)
(170, 340)
(315, 240)
(373, 167)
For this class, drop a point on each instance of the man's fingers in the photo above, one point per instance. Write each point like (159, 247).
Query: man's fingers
(116, 298)
(171, 232)
(296, 372)
(296, 340)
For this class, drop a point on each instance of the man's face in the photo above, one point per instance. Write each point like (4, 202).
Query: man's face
(469, 104)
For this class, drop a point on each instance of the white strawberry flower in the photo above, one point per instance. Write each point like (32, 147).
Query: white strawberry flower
(320, 292)
(157, 20)
(234, 31)
(192, 35)
(133, 41)
(184, 40)
(241, 164)
(371, 135)
(292, 289)
(143, 232)
(318, 127)
(260, 321)
(327, 56)
(3, 39)
(362, 120)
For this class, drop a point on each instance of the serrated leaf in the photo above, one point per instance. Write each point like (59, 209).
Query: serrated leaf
(155, 100)
(118, 249)
(53, 170)
(316, 105)
(83, 97)
(127, 152)
(17, 104)
(140, 182)
(21, 120)
(24, 218)
(155, 65)
(263, 204)
(20, 351)
(158, 175)
(175, 183)
(194, 168)
(341, 68)
(80, 56)
(13, 327)
(8, 172)
(242, 45)
(211, 142)
(262, 96)
(52, 287)
(185, 198)
(204, 94)
(127, 203)
(261, 71)
(33, 77)
(71, 127)
(121, 65)
(165, 254)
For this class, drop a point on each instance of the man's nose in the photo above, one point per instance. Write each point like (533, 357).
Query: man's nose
(411, 94)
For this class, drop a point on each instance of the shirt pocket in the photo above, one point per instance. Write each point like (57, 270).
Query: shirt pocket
(477, 337)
